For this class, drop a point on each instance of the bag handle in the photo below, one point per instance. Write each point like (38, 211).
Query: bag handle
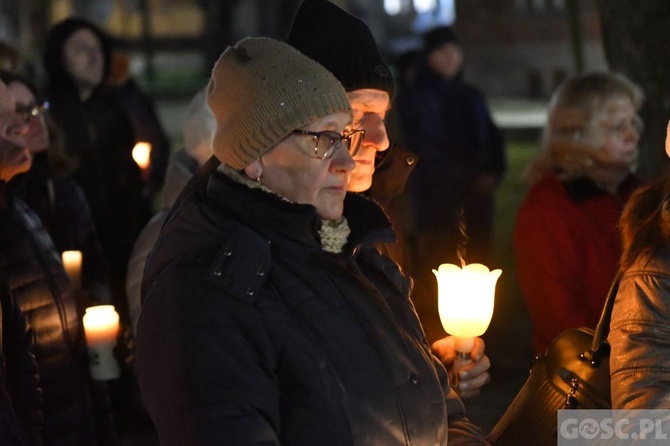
(603, 328)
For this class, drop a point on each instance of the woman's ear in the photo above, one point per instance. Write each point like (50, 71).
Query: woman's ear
(254, 170)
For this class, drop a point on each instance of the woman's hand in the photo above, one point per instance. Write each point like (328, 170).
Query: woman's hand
(471, 376)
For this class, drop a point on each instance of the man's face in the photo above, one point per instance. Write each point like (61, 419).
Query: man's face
(369, 106)
(14, 157)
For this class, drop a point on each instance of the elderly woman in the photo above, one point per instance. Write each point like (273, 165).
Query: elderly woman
(268, 317)
(566, 236)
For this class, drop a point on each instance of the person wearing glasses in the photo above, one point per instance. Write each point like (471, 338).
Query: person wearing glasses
(21, 420)
(268, 317)
(51, 191)
(566, 238)
(33, 273)
(382, 168)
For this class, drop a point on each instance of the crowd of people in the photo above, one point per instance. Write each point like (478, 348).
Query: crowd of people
(281, 292)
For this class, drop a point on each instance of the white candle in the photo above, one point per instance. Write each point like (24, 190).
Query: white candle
(72, 265)
(101, 326)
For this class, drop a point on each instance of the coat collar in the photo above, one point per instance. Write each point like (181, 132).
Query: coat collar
(277, 219)
(583, 188)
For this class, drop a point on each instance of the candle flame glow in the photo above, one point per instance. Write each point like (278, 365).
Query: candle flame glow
(142, 154)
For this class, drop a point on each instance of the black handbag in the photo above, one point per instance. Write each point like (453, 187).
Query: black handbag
(572, 374)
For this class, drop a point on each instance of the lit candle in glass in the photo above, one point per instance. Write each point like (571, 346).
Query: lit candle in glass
(465, 304)
(142, 154)
(101, 326)
(72, 265)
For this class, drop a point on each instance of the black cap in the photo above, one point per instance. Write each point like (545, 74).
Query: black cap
(437, 37)
(342, 43)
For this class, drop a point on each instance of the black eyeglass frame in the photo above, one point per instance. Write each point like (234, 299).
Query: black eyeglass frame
(331, 151)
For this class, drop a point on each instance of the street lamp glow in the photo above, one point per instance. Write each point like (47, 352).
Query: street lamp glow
(392, 7)
(424, 6)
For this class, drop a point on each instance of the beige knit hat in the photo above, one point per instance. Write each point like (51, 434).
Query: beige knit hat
(260, 91)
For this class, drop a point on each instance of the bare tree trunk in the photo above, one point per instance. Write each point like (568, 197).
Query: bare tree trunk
(635, 37)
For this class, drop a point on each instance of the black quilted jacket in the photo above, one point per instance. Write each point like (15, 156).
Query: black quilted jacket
(36, 277)
(250, 333)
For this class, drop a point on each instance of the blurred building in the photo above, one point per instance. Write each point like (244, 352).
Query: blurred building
(513, 48)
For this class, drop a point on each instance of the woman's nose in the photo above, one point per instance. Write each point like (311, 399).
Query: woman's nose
(343, 161)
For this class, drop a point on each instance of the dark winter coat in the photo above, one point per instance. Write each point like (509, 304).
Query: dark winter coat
(61, 206)
(392, 169)
(250, 333)
(98, 133)
(448, 124)
(21, 420)
(41, 288)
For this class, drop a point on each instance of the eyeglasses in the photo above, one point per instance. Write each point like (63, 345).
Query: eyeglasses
(28, 112)
(328, 142)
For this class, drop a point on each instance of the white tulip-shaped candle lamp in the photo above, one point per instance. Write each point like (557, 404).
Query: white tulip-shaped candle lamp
(465, 304)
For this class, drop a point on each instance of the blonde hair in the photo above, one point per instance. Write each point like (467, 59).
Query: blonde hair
(573, 131)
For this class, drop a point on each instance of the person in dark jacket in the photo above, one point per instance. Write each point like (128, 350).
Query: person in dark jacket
(21, 420)
(268, 316)
(41, 288)
(98, 134)
(448, 124)
(382, 168)
(50, 190)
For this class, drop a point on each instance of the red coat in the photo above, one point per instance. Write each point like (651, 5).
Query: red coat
(567, 246)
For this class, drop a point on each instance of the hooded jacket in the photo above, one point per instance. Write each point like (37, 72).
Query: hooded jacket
(98, 133)
(250, 333)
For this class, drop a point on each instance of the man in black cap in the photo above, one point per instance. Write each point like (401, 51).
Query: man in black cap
(346, 47)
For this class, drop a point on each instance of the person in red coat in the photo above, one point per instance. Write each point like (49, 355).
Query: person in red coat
(566, 237)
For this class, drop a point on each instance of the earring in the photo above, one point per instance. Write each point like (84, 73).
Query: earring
(258, 178)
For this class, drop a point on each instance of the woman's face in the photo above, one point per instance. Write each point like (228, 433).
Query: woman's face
(14, 157)
(37, 139)
(620, 133)
(83, 58)
(369, 106)
(289, 171)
